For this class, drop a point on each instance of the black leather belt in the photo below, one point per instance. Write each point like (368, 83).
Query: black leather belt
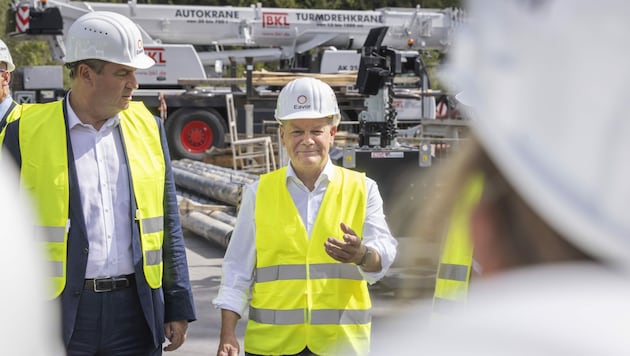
(109, 284)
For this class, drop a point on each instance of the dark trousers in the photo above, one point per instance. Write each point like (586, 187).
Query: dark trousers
(305, 352)
(111, 324)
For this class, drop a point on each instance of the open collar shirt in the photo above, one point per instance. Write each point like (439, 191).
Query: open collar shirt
(105, 195)
(240, 258)
(5, 105)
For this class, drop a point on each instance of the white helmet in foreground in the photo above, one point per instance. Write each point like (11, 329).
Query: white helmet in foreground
(552, 112)
(107, 36)
(307, 98)
(5, 56)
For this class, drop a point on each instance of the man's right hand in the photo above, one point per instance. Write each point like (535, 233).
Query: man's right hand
(228, 346)
(228, 343)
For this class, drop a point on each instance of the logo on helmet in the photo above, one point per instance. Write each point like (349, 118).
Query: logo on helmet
(140, 48)
(301, 103)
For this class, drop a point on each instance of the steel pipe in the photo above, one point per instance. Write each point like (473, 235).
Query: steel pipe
(230, 174)
(211, 188)
(209, 228)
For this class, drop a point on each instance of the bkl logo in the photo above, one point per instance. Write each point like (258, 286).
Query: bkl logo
(275, 19)
(156, 53)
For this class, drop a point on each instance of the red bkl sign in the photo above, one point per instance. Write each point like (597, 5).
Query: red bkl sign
(156, 53)
(275, 19)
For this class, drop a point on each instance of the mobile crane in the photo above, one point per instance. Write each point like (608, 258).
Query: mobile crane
(193, 42)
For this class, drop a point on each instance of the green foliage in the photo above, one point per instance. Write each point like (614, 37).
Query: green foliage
(23, 52)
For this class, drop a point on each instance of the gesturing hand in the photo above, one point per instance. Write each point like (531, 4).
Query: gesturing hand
(350, 250)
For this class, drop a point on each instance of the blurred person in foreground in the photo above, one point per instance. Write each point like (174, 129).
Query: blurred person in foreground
(97, 165)
(8, 107)
(31, 322)
(308, 239)
(551, 232)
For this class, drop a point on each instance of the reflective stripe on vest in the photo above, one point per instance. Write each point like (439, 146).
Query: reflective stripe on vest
(43, 149)
(147, 166)
(151, 226)
(316, 271)
(301, 296)
(454, 270)
(318, 317)
(52, 236)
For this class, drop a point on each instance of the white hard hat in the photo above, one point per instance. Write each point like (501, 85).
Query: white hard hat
(5, 56)
(552, 112)
(307, 98)
(106, 36)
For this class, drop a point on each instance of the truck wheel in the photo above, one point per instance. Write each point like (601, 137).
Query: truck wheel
(191, 132)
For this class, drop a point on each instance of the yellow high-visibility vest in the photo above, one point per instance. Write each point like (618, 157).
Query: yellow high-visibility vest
(44, 174)
(453, 274)
(301, 296)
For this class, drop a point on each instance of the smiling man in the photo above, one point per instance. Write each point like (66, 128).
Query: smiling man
(308, 239)
(97, 165)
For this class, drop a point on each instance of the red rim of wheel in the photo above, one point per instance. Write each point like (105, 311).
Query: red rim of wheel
(196, 136)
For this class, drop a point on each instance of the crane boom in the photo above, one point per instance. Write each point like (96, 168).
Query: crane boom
(188, 42)
(290, 30)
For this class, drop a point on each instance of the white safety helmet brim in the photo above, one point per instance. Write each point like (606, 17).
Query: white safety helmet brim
(141, 61)
(307, 98)
(304, 115)
(10, 66)
(106, 36)
(5, 56)
(564, 149)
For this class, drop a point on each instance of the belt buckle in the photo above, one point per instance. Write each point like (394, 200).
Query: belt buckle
(114, 283)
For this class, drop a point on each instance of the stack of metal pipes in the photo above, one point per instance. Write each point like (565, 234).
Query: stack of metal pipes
(209, 197)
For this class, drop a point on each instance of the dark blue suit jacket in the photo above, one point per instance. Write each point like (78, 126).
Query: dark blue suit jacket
(174, 301)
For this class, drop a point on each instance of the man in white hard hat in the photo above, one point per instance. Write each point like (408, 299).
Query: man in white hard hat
(8, 107)
(97, 165)
(308, 239)
(551, 232)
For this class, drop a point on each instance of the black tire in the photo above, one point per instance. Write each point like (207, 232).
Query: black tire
(191, 132)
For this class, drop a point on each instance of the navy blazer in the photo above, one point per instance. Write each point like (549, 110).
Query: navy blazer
(174, 300)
